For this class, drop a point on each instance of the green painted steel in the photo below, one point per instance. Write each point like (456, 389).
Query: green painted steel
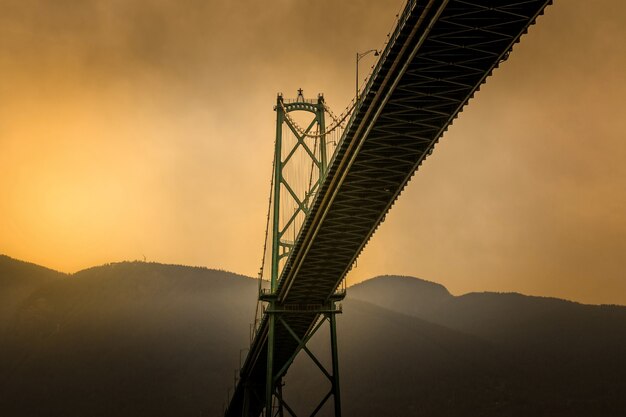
(278, 179)
(277, 403)
(281, 249)
(335, 359)
(438, 56)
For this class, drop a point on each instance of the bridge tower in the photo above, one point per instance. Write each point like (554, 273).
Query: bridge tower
(300, 165)
(437, 57)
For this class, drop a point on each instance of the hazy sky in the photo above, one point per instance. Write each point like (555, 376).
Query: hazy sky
(145, 128)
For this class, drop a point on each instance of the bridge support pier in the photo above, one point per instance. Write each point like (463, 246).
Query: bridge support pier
(276, 405)
(335, 362)
(269, 377)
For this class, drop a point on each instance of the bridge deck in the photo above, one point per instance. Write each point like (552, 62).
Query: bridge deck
(437, 58)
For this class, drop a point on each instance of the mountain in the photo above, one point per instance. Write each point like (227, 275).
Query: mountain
(395, 365)
(127, 339)
(508, 319)
(17, 280)
(562, 357)
(145, 339)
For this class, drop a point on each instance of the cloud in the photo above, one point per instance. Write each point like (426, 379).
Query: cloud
(146, 127)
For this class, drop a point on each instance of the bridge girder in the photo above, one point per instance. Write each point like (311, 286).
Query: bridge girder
(439, 55)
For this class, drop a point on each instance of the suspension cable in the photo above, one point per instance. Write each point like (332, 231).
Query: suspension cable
(306, 198)
(317, 135)
(267, 221)
(338, 121)
(267, 227)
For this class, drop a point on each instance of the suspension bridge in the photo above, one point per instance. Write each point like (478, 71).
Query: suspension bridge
(332, 185)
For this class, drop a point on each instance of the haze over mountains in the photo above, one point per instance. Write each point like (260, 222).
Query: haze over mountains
(145, 339)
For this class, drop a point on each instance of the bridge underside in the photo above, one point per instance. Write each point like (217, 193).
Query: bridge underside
(437, 58)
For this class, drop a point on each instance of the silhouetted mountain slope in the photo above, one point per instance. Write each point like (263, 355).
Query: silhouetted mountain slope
(509, 319)
(128, 339)
(19, 279)
(568, 358)
(407, 295)
(393, 364)
(144, 339)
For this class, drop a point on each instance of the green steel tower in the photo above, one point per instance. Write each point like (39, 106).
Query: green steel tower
(298, 196)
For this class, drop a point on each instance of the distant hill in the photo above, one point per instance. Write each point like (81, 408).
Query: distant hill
(19, 279)
(397, 365)
(508, 319)
(146, 339)
(127, 339)
(562, 357)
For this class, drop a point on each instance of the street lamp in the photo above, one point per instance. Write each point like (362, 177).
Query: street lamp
(360, 55)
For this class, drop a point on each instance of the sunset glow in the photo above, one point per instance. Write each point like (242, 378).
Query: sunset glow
(146, 130)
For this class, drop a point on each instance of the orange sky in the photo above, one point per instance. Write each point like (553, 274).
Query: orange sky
(145, 128)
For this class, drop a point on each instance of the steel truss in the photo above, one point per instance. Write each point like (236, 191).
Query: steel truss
(280, 246)
(279, 406)
(280, 315)
(439, 55)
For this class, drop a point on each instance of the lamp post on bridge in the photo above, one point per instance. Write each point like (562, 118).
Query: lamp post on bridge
(360, 55)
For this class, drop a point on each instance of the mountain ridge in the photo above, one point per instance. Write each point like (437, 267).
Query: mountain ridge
(136, 338)
(18, 279)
